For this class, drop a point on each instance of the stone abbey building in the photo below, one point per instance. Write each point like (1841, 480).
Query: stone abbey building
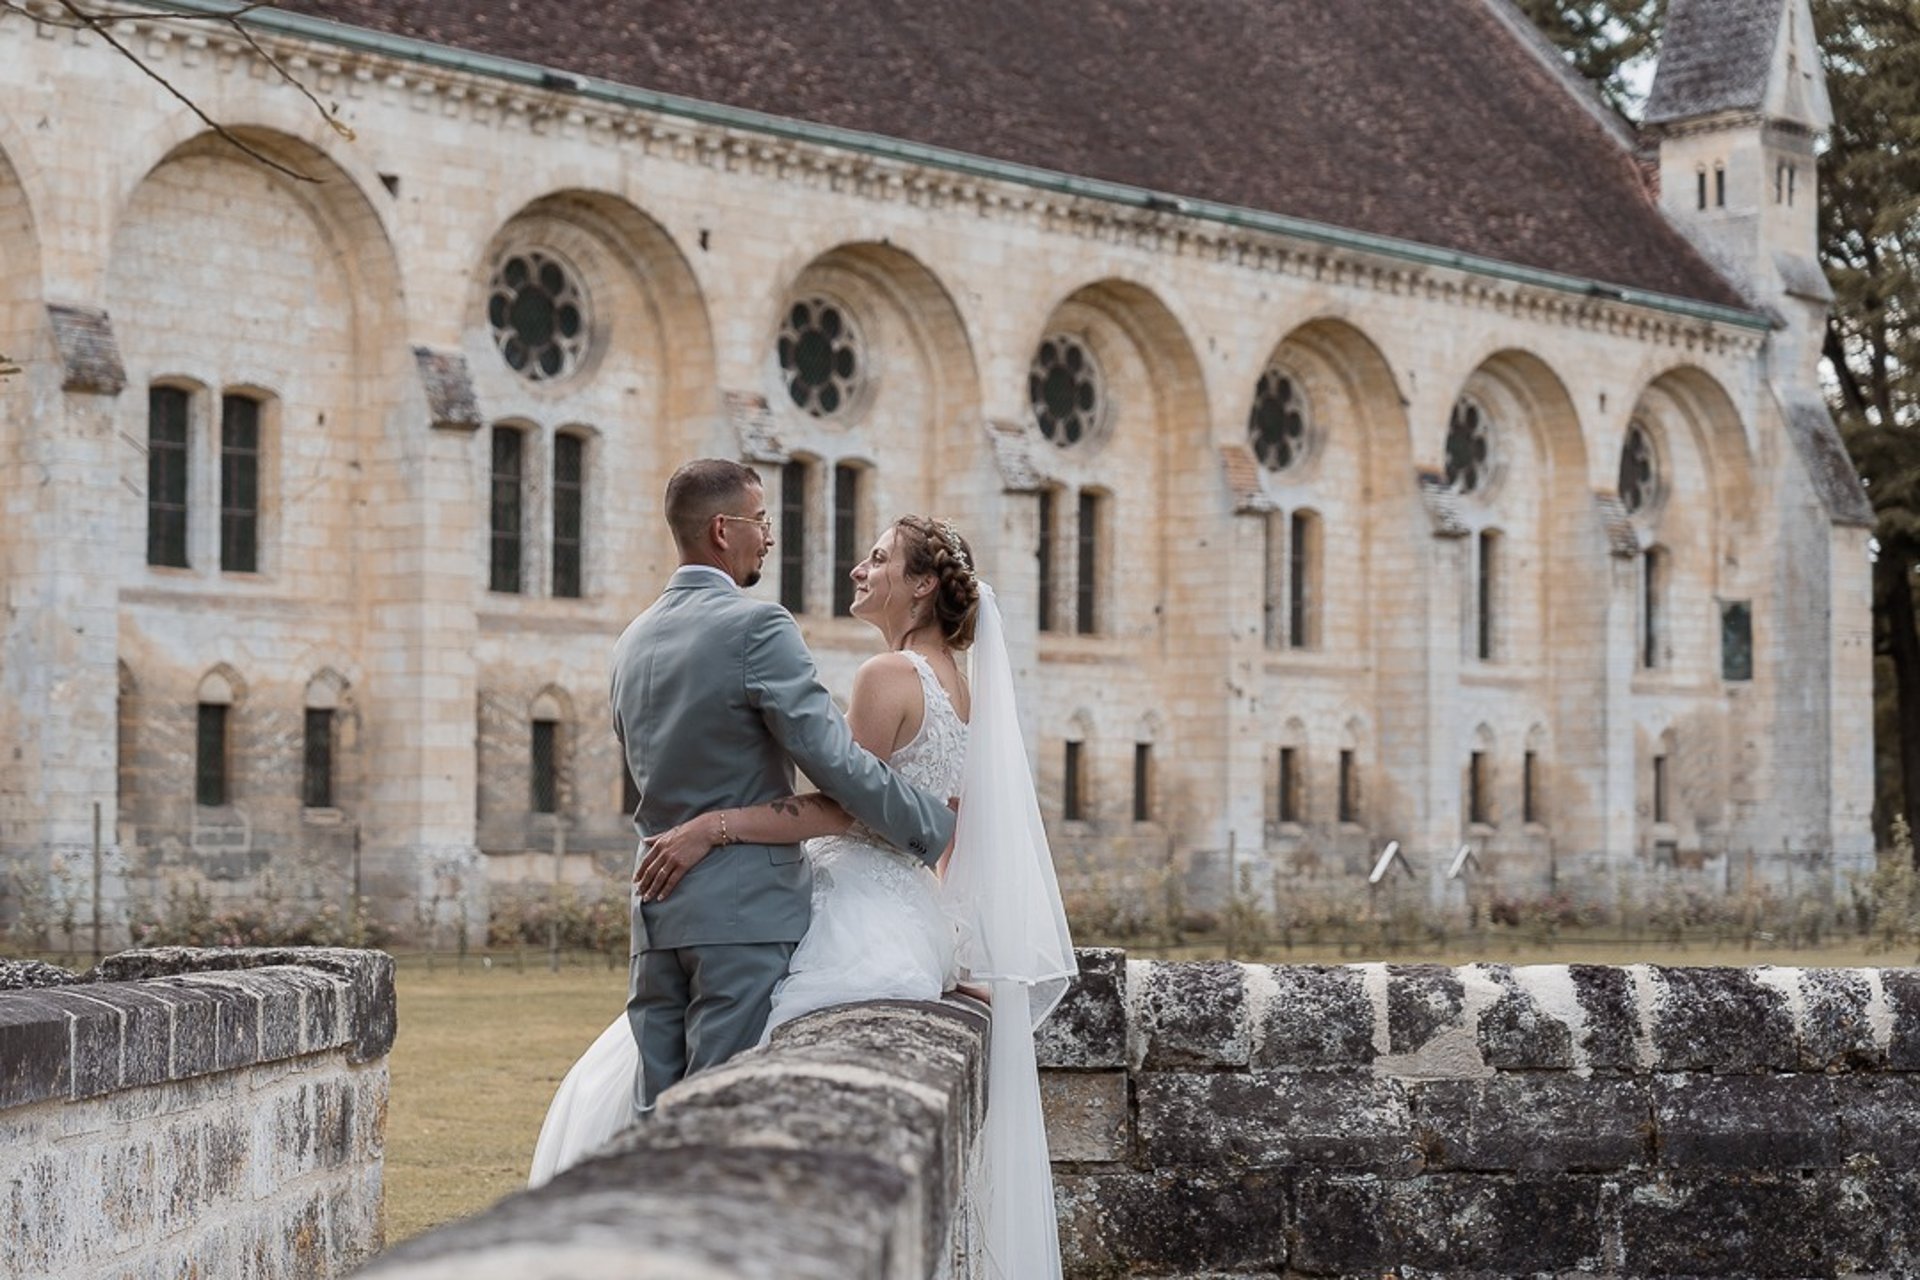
(1372, 437)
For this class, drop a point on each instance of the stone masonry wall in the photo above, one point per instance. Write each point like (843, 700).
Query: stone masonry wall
(1421, 1121)
(183, 1112)
(840, 1152)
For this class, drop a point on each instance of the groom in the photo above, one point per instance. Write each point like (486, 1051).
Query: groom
(715, 699)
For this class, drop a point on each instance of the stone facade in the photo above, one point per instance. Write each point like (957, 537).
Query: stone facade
(1436, 666)
(194, 1113)
(1413, 1120)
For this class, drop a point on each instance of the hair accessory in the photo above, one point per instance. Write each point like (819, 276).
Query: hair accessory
(951, 536)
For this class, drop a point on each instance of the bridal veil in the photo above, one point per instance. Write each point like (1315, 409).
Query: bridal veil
(1001, 889)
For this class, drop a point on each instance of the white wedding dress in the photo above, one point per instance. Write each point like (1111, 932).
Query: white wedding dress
(884, 927)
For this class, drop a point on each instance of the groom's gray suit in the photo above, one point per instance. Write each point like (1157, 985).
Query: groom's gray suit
(715, 699)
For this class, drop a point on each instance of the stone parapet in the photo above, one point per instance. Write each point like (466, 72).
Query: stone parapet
(839, 1152)
(194, 1112)
(1489, 1120)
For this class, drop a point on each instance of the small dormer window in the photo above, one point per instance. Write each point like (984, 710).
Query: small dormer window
(1719, 185)
(1700, 186)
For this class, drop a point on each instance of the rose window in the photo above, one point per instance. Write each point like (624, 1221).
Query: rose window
(539, 315)
(1064, 387)
(1277, 427)
(1639, 476)
(820, 357)
(1469, 448)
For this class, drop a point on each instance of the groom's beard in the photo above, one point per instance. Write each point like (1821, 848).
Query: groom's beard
(752, 579)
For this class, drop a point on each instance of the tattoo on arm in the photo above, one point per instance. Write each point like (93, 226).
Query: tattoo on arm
(794, 806)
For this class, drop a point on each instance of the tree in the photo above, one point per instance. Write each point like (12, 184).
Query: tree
(1870, 242)
(1605, 40)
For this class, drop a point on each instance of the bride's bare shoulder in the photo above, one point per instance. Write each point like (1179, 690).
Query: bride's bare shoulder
(889, 675)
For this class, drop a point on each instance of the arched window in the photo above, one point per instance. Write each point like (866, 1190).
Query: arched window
(1654, 571)
(546, 760)
(1481, 811)
(213, 787)
(1486, 594)
(569, 513)
(318, 788)
(167, 475)
(508, 499)
(1044, 559)
(239, 484)
(849, 523)
(796, 482)
(1087, 543)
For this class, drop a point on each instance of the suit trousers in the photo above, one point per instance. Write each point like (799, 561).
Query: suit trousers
(694, 1007)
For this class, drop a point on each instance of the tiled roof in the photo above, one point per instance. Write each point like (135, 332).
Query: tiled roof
(1424, 120)
(1714, 56)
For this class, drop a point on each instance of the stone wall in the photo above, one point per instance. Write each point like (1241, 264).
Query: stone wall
(1490, 1120)
(194, 1113)
(840, 1153)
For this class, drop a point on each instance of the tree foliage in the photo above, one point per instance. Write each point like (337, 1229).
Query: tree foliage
(1605, 40)
(1870, 242)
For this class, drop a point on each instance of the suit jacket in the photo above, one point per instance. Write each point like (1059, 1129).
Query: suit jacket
(715, 700)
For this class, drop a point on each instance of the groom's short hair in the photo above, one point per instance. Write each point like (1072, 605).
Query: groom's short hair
(702, 489)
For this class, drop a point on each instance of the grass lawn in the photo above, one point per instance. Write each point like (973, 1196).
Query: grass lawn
(478, 1056)
(480, 1051)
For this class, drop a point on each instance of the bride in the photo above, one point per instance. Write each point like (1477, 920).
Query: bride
(883, 925)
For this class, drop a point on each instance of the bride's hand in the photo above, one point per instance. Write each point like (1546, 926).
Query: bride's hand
(673, 853)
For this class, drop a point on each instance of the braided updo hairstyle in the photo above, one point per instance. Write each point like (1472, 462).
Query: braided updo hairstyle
(936, 547)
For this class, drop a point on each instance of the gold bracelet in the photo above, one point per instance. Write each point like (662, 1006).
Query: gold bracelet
(724, 838)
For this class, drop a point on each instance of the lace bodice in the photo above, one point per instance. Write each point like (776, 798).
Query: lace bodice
(933, 760)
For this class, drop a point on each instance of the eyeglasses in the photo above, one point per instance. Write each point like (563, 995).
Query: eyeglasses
(765, 522)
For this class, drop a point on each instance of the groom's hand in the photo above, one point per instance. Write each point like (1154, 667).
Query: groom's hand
(671, 854)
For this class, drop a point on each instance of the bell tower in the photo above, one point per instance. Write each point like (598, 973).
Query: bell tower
(1738, 101)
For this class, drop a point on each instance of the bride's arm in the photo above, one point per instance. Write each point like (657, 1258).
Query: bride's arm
(886, 699)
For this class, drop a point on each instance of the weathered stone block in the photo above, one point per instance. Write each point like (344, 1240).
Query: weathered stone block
(146, 1030)
(1172, 1221)
(1086, 1114)
(1192, 1014)
(807, 1215)
(1835, 1032)
(824, 1116)
(1515, 1033)
(1720, 1020)
(195, 1020)
(1274, 1118)
(236, 1019)
(1746, 1122)
(1519, 1225)
(1313, 1016)
(321, 1026)
(1422, 1001)
(1612, 1017)
(36, 1061)
(95, 1029)
(1878, 1117)
(28, 975)
(1752, 1224)
(1089, 1027)
(368, 974)
(1903, 994)
(1544, 1123)
(280, 992)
